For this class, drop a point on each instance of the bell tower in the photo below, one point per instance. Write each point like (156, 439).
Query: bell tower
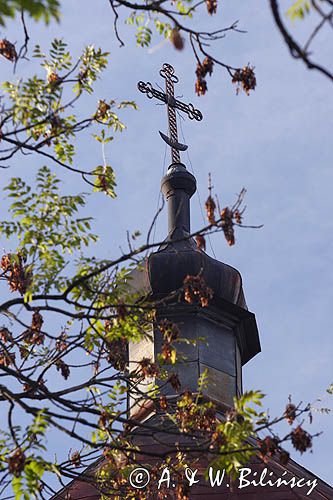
(222, 336)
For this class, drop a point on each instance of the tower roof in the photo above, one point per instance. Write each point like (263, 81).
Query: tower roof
(165, 270)
(179, 256)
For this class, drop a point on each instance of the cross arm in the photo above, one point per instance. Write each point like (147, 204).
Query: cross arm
(189, 109)
(147, 88)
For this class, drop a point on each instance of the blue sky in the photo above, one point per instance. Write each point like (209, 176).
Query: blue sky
(277, 143)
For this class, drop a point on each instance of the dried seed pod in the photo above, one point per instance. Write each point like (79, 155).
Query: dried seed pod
(290, 413)
(63, 368)
(166, 352)
(7, 50)
(148, 368)
(5, 335)
(37, 321)
(193, 415)
(163, 403)
(210, 209)
(16, 463)
(34, 335)
(61, 343)
(169, 330)
(238, 217)
(103, 419)
(245, 78)
(211, 6)
(7, 358)
(196, 290)
(228, 225)
(116, 459)
(102, 109)
(53, 79)
(26, 388)
(182, 491)
(200, 241)
(284, 457)
(6, 262)
(267, 448)
(176, 39)
(301, 439)
(218, 439)
(24, 352)
(83, 75)
(18, 277)
(208, 65)
(117, 353)
(200, 71)
(200, 86)
(76, 459)
(174, 382)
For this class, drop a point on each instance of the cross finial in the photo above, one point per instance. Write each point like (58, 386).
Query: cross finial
(168, 73)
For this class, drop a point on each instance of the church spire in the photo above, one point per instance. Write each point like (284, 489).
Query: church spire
(229, 330)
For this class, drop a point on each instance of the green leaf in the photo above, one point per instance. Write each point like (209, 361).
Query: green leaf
(105, 180)
(37, 9)
(299, 10)
(46, 229)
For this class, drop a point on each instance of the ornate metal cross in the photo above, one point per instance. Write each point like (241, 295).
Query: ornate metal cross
(172, 103)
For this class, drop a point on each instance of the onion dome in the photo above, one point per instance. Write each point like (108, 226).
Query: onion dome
(164, 271)
(179, 256)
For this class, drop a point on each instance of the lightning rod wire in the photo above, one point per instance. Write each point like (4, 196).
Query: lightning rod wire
(192, 169)
(159, 192)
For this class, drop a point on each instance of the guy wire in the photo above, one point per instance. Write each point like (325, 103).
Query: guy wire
(198, 192)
